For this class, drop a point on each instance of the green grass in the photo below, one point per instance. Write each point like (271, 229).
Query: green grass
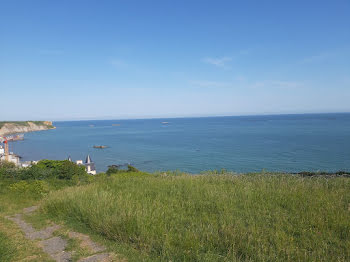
(258, 217)
(20, 189)
(7, 248)
(13, 245)
(11, 201)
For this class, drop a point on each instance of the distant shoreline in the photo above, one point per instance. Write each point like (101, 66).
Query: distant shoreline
(15, 127)
(194, 117)
(288, 144)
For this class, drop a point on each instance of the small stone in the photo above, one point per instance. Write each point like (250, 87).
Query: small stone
(87, 242)
(53, 245)
(62, 257)
(45, 233)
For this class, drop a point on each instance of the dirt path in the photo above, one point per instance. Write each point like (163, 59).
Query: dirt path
(55, 246)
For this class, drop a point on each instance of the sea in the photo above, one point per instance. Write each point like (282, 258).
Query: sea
(275, 143)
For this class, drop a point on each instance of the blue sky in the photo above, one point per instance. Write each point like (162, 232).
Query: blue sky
(134, 59)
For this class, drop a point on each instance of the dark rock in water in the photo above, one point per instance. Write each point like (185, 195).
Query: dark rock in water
(100, 147)
(324, 174)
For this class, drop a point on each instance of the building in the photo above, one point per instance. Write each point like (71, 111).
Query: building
(89, 164)
(10, 158)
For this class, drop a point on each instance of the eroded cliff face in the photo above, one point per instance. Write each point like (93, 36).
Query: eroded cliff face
(24, 127)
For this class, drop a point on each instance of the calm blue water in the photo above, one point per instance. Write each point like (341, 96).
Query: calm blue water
(242, 144)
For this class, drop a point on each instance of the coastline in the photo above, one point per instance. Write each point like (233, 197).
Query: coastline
(15, 127)
(243, 145)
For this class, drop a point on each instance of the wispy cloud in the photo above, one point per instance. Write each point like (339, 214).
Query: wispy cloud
(318, 58)
(243, 83)
(278, 84)
(219, 62)
(118, 63)
(210, 84)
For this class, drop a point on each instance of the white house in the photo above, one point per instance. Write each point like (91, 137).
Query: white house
(89, 165)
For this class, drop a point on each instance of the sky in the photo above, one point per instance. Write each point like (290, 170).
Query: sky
(101, 59)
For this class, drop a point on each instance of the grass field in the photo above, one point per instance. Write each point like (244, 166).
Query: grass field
(14, 196)
(7, 248)
(258, 217)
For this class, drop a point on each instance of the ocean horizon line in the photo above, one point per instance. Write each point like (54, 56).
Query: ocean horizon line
(191, 117)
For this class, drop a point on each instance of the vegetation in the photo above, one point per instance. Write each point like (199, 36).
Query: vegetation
(20, 188)
(7, 249)
(45, 169)
(25, 123)
(258, 217)
(115, 169)
(217, 216)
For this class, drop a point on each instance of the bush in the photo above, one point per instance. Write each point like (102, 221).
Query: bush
(45, 169)
(34, 188)
(132, 169)
(7, 164)
(7, 169)
(115, 169)
(61, 169)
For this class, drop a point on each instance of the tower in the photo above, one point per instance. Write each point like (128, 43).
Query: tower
(6, 143)
(90, 166)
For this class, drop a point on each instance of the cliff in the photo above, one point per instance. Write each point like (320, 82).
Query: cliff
(7, 128)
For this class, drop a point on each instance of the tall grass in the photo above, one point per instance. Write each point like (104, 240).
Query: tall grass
(215, 217)
(7, 249)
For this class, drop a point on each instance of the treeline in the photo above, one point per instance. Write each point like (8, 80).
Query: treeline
(55, 169)
(44, 169)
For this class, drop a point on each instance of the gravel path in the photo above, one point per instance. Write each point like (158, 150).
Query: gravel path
(56, 246)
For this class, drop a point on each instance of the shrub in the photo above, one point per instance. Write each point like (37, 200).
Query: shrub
(45, 169)
(35, 188)
(7, 164)
(132, 169)
(112, 170)
(115, 169)
(61, 169)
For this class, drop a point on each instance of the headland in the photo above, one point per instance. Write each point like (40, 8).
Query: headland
(13, 127)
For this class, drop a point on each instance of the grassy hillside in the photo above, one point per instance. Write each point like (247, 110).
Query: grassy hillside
(20, 188)
(25, 123)
(179, 217)
(257, 217)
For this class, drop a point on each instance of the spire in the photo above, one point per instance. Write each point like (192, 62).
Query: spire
(88, 160)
